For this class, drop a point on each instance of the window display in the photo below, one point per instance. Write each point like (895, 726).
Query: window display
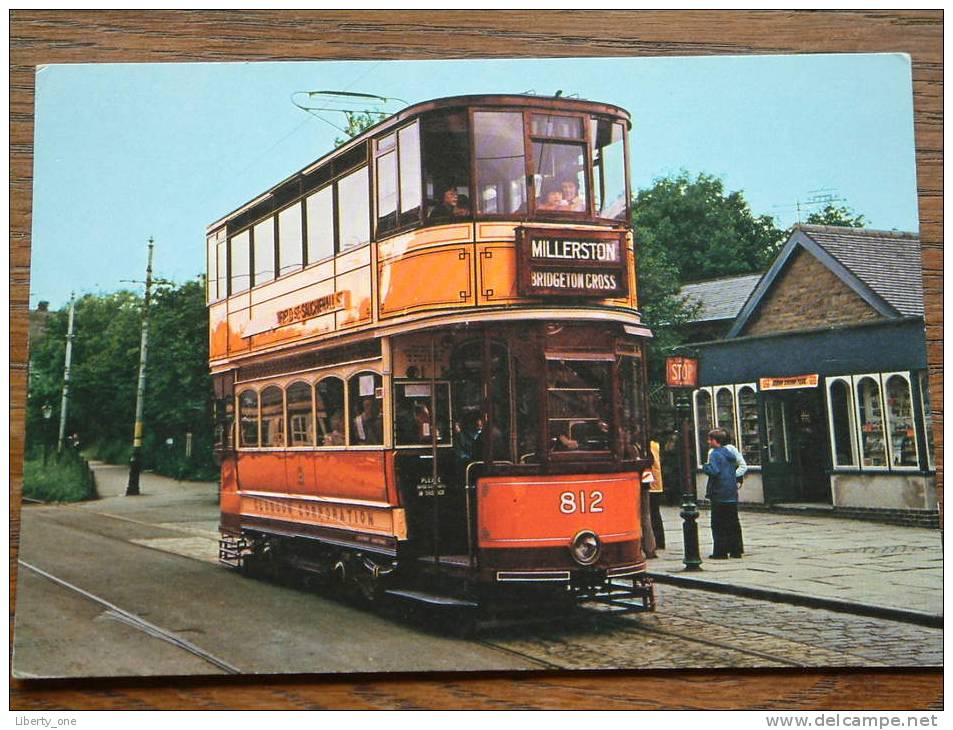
(901, 430)
(873, 448)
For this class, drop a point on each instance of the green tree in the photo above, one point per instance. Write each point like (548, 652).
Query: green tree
(704, 231)
(836, 216)
(104, 374)
(357, 122)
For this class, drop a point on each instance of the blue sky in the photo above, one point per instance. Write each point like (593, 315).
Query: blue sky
(125, 151)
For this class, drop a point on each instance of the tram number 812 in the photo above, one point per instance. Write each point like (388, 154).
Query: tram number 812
(591, 503)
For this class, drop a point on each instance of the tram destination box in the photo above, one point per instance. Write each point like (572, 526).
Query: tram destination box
(571, 263)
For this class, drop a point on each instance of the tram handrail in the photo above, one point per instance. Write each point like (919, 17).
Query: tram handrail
(466, 493)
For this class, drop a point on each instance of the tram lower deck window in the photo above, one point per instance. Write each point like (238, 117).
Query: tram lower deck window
(414, 424)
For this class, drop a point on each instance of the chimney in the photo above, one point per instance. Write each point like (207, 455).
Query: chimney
(42, 306)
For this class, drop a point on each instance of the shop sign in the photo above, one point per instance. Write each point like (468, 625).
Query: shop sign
(571, 263)
(793, 381)
(681, 372)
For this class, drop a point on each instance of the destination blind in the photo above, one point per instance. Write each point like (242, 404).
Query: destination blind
(570, 263)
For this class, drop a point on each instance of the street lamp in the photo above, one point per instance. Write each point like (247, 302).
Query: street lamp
(47, 411)
(681, 374)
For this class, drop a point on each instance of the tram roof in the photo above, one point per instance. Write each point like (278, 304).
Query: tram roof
(530, 101)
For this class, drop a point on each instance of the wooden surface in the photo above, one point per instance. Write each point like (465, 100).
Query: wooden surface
(113, 36)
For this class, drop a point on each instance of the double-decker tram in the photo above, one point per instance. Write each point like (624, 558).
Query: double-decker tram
(428, 361)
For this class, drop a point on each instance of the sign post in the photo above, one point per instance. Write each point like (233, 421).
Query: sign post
(681, 375)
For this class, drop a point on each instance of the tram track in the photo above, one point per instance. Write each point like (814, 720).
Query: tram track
(137, 622)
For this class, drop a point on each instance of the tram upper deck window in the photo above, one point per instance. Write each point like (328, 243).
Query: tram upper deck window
(319, 209)
(580, 404)
(559, 158)
(264, 234)
(608, 169)
(446, 166)
(500, 162)
(239, 263)
(290, 249)
(354, 225)
(398, 179)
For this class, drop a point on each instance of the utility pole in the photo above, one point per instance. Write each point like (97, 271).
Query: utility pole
(64, 404)
(135, 463)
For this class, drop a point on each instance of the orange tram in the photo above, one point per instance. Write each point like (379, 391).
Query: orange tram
(427, 358)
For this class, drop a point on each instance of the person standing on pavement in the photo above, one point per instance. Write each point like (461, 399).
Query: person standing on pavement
(722, 492)
(656, 493)
(740, 472)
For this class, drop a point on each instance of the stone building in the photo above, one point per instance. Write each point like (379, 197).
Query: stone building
(821, 377)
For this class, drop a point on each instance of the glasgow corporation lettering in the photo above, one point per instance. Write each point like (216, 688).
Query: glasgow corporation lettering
(571, 265)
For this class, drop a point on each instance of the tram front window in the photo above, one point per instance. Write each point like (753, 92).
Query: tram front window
(579, 405)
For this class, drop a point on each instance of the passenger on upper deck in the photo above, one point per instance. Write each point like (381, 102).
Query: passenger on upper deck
(451, 206)
(551, 199)
(571, 197)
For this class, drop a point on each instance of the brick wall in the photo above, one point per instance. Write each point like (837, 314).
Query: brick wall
(808, 295)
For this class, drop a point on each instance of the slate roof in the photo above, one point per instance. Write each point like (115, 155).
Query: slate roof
(720, 298)
(888, 262)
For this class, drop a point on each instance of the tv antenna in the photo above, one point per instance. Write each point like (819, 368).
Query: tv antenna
(816, 200)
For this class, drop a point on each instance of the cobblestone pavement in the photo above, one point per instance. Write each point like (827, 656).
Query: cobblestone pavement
(692, 628)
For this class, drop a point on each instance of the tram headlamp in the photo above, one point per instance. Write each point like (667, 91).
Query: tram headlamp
(585, 547)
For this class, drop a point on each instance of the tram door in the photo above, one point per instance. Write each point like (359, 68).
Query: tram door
(795, 447)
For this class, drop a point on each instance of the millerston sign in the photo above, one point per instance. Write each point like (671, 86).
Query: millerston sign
(571, 263)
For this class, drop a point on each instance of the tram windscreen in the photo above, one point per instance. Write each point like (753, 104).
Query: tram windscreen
(580, 404)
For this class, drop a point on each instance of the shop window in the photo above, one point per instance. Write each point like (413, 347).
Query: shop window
(248, 418)
(272, 417)
(633, 407)
(748, 441)
(902, 441)
(319, 209)
(239, 262)
(446, 166)
(608, 170)
(300, 421)
(841, 413)
(353, 210)
(870, 417)
(776, 430)
(704, 422)
(500, 162)
(414, 424)
(579, 404)
(924, 381)
(330, 412)
(725, 411)
(365, 395)
(290, 247)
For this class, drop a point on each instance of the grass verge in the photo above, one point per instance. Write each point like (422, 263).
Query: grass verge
(68, 480)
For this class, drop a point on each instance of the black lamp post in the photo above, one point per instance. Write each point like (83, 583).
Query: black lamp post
(689, 512)
(681, 374)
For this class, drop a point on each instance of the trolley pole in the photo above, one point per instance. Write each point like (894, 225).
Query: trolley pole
(135, 463)
(64, 403)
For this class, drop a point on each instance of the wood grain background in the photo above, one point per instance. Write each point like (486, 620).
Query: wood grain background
(41, 37)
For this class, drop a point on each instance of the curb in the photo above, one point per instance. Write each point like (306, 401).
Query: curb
(797, 599)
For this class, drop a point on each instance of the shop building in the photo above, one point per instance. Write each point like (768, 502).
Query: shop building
(822, 378)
